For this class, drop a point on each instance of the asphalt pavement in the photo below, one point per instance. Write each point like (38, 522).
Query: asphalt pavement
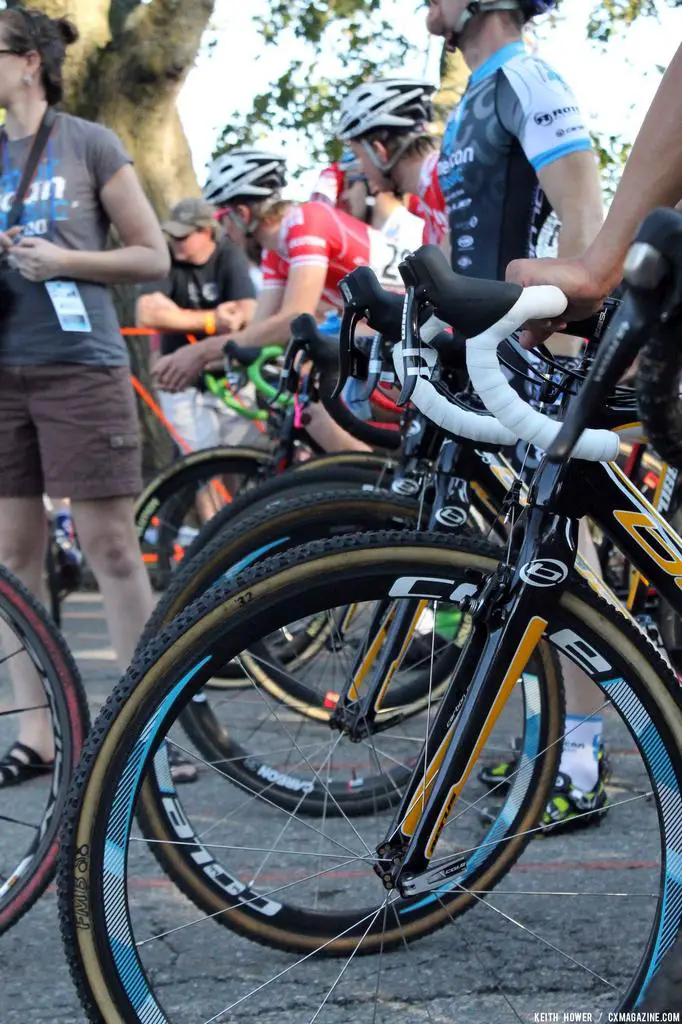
(503, 962)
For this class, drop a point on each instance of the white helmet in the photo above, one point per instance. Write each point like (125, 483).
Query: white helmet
(400, 103)
(244, 174)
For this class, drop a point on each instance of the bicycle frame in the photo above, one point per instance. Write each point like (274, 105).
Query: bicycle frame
(509, 617)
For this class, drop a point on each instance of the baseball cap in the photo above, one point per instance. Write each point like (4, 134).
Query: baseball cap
(187, 216)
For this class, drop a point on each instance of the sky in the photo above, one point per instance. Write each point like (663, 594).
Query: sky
(614, 86)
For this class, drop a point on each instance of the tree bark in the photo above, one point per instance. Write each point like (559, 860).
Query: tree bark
(454, 75)
(126, 71)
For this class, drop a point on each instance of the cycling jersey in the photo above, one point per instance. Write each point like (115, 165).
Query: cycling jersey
(429, 204)
(317, 235)
(329, 185)
(516, 117)
(403, 230)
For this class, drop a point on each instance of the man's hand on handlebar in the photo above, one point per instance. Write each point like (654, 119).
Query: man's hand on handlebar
(580, 285)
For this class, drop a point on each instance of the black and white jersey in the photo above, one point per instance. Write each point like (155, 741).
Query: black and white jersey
(516, 117)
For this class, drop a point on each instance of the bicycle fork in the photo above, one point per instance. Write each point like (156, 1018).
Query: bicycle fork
(508, 621)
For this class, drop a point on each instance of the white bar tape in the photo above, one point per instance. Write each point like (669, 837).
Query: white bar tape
(537, 303)
(431, 328)
(450, 417)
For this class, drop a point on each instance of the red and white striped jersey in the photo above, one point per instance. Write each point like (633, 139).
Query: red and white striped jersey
(318, 235)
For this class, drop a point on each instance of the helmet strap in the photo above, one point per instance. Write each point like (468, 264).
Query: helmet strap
(474, 8)
(387, 167)
(263, 208)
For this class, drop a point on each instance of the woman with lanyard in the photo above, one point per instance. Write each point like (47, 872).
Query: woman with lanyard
(69, 422)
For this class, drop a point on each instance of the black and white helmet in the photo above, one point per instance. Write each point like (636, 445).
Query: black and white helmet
(247, 174)
(400, 103)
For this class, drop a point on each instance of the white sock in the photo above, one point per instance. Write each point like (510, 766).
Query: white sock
(579, 756)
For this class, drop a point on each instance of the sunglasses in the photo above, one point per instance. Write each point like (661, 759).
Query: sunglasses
(351, 179)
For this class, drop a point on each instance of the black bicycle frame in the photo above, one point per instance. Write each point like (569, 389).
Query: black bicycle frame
(463, 477)
(509, 617)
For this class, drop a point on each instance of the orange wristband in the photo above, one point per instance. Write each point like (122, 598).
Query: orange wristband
(210, 325)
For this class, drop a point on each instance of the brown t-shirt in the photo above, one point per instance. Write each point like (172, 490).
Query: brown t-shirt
(63, 205)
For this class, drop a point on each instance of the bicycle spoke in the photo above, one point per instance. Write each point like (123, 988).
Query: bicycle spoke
(487, 969)
(317, 777)
(243, 849)
(291, 967)
(14, 654)
(23, 711)
(381, 963)
(18, 821)
(347, 964)
(246, 903)
(541, 828)
(486, 796)
(284, 829)
(529, 931)
(258, 795)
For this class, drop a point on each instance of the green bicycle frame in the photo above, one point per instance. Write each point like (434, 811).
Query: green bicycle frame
(254, 374)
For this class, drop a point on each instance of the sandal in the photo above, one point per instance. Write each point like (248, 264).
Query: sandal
(181, 768)
(22, 764)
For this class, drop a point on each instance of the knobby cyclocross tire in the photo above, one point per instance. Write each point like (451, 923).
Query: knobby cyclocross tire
(343, 469)
(174, 666)
(110, 977)
(22, 885)
(314, 516)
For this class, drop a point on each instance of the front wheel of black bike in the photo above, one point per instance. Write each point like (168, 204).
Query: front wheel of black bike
(595, 922)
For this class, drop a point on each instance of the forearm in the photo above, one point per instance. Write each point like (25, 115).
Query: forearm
(579, 227)
(652, 177)
(272, 331)
(185, 320)
(130, 265)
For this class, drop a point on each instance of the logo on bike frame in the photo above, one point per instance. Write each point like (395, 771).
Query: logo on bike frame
(451, 516)
(544, 572)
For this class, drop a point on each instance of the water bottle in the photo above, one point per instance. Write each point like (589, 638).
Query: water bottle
(331, 324)
(63, 527)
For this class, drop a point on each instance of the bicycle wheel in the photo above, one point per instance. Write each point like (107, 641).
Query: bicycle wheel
(305, 510)
(302, 668)
(665, 991)
(343, 469)
(166, 516)
(30, 814)
(267, 884)
(138, 719)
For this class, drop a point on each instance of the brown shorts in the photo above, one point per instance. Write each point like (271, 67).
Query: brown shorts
(70, 431)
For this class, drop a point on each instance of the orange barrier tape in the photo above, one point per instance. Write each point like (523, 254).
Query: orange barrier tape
(156, 409)
(158, 412)
(139, 332)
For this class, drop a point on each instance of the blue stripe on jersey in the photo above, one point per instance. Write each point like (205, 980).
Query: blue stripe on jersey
(555, 154)
(494, 63)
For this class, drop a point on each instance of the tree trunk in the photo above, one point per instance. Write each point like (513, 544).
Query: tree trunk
(454, 75)
(126, 71)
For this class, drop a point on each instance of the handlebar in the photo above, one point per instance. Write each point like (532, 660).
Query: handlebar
(253, 360)
(488, 312)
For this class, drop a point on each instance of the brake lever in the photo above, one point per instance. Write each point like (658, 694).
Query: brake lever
(374, 370)
(233, 375)
(289, 377)
(348, 354)
(411, 354)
